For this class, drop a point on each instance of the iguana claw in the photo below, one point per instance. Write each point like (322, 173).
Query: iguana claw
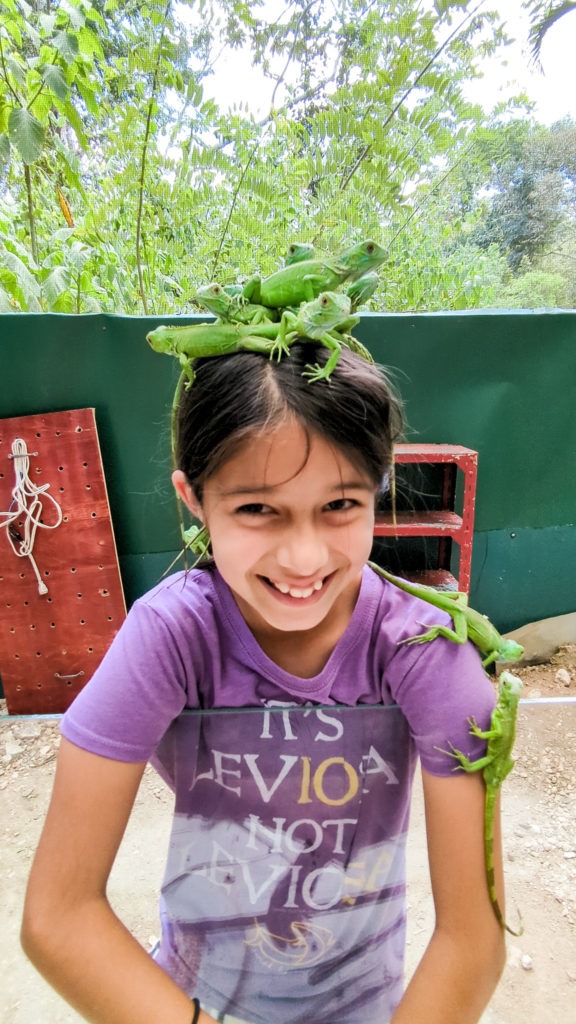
(316, 372)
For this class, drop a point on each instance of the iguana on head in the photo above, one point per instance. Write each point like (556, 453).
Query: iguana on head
(233, 308)
(304, 280)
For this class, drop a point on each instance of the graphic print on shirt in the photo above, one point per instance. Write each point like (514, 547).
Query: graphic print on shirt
(289, 826)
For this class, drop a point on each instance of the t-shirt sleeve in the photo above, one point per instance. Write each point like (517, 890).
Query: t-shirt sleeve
(140, 686)
(441, 687)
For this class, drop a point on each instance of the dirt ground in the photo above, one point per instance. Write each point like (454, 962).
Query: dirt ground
(539, 820)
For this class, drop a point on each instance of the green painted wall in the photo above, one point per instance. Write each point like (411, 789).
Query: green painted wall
(500, 382)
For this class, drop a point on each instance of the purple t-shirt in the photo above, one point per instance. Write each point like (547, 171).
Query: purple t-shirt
(284, 892)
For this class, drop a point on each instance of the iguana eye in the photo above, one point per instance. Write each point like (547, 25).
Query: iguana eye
(370, 247)
(324, 301)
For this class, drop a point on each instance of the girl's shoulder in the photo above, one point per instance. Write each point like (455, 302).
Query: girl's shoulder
(180, 596)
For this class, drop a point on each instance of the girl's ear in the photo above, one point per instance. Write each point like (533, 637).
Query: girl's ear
(185, 492)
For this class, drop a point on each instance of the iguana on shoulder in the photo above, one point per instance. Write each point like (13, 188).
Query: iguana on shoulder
(468, 623)
(496, 764)
(304, 280)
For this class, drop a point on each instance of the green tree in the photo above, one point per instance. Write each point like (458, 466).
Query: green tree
(531, 190)
(137, 188)
(544, 14)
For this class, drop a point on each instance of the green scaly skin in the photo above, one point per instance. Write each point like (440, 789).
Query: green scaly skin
(495, 766)
(321, 320)
(217, 339)
(324, 319)
(468, 623)
(303, 281)
(299, 251)
(233, 309)
(359, 291)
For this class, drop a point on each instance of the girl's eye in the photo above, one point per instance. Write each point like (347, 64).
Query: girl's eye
(341, 505)
(253, 508)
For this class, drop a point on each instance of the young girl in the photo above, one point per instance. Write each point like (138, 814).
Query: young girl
(284, 897)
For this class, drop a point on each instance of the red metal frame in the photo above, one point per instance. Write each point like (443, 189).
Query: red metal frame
(447, 525)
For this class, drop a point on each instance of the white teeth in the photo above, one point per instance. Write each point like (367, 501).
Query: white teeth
(301, 592)
(282, 588)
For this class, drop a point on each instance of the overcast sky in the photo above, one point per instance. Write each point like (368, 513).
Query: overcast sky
(553, 88)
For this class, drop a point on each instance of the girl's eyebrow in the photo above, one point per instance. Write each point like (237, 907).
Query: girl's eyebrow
(337, 488)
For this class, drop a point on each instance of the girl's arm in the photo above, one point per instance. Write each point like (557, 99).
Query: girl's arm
(69, 930)
(466, 954)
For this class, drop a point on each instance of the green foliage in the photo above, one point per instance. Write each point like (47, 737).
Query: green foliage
(123, 186)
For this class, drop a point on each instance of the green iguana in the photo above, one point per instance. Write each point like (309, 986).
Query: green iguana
(468, 623)
(496, 764)
(216, 339)
(321, 320)
(299, 251)
(324, 319)
(304, 280)
(233, 308)
(359, 291)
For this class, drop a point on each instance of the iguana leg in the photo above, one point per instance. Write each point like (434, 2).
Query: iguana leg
(465, 763)
(458, 635)
(187, 371)
(252, 344)
(281, 346)
(251, 290)
(308, 287)
(491, 657)
(485, 734)
(317, 372)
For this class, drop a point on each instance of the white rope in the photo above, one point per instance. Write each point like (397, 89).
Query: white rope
(26, 505)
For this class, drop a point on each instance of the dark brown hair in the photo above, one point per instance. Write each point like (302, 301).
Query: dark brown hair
(236, 397)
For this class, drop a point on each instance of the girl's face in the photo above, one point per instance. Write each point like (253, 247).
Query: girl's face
(290, 529)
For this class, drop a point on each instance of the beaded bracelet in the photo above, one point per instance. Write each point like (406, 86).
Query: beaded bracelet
(196, 1017)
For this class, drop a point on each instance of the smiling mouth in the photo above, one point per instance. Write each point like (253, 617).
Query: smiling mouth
(299, 593)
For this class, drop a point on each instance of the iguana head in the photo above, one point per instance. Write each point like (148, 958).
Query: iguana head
(299, 251)
(361, 258)
(510, 650)
(324, 313)
(509, 684)
(214, 299)
(161, 339)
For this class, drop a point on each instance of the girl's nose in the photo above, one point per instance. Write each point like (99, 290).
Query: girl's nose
(302, 551)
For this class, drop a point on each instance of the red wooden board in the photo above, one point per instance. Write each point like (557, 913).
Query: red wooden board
(50, 644)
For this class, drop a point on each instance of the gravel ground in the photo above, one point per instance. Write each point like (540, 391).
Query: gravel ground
(539, 820)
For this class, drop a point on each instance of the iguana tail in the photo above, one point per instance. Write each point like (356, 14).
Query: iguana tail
(490, 808)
